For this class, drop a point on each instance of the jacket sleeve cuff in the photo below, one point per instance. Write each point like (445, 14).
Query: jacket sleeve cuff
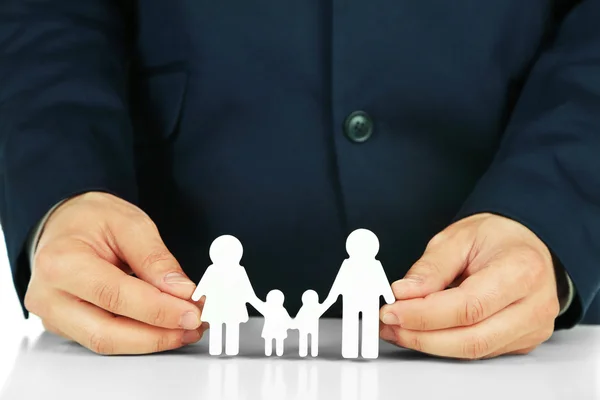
(28, 207)
(566, 302)
(34, 238)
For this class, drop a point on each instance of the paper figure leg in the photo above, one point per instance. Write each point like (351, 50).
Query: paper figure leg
(314, 343)
(232, 339)
(268, 347)
(215, 344)
(302, 344)
(350, 334)
(279, 349)
(370, 334)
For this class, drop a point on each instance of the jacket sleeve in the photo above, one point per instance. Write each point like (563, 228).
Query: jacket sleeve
(64, 126)
(546, 173)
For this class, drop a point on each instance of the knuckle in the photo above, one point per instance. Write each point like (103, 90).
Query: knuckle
(156, 257)
(438, 239)
(32, 303)
(132, 221)
(553, 308)
(473, 311)
(423, 323)
(46, 262)
(158, 316)
(162, 343)
(545, 334)
(109, 297)
(415, 343)
(476, 347)
(141, 221)
(100, 344)
(547, 312)
(533, 264)
(422, 268)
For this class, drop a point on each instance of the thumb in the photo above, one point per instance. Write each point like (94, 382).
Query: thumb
(138, 243)
(444, 259)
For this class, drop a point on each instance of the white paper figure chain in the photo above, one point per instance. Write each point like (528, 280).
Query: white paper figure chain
(361, 281)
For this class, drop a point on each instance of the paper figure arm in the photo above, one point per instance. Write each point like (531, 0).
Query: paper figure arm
(258, 304)
(386, 289)
(201, 288)
(336, 288)
(322, 309)
(251, 297)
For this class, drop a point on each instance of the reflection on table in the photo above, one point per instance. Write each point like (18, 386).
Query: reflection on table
(566, 367)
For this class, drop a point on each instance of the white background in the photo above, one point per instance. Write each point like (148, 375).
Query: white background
(9, 304)
(11, 317)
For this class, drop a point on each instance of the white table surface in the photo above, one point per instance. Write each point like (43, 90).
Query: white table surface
(39, 365)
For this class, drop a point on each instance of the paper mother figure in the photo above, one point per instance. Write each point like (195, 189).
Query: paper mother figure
(227, 289)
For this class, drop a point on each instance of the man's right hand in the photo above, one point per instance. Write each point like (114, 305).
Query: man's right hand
(82, 288)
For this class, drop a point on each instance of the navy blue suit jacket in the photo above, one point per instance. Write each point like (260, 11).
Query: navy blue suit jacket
(229, 117)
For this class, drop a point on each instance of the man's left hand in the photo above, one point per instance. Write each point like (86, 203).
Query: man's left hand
(485, 286)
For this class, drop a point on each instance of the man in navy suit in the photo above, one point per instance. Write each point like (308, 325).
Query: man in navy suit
(466, 135)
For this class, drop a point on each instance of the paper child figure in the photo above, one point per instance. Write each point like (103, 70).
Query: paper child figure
(277, 322)
(227, 289)
(361, 281)
(307, 323)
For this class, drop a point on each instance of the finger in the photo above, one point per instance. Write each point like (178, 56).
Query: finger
(139, 244)
(98, 282)
(104, 333)
(479, 296)
(520, 352)
(525, 344)
(470, 342)
(443, 260)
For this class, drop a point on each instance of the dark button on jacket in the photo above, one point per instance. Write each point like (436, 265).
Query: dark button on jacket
(358, 126)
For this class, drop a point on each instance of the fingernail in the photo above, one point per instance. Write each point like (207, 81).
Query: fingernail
(175, 278)
(413, 280)
(190, 320)
(405, 285)
(190, 337)
(390, 319)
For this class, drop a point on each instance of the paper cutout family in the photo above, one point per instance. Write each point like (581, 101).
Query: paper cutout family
(361, 281)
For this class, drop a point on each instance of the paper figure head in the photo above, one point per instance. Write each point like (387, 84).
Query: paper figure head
(310, 297)
(226, 250)
(362, 243)
(275, 297)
